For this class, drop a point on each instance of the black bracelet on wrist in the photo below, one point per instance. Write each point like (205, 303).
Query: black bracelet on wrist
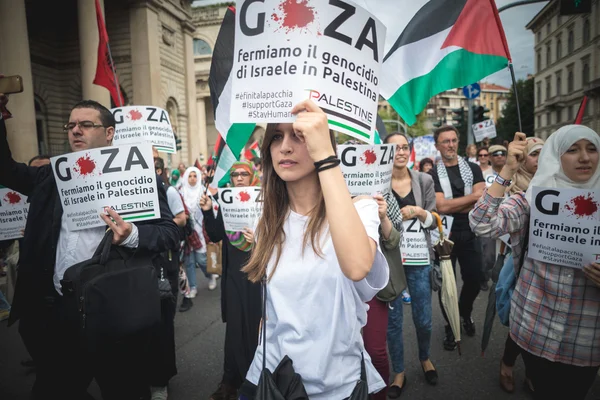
(325, 161)
(328, 165)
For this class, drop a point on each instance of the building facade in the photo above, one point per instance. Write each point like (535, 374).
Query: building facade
(152, 46)
(567, 65)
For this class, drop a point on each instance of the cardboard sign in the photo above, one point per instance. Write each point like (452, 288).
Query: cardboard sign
(484, 129)
(414, 248)
(367, 169)
(239, 207)
(137, 124)
(122, 178)
(287, 51)
(13, 213)
(447, 221)
(564, 228)
(424, 148)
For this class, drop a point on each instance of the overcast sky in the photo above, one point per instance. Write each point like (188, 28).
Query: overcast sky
(520, 40)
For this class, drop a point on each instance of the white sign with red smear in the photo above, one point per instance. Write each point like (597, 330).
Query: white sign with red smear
(565, 226)
(367, 169)
(120, 177)
(137, 124)
(287, 51)
(13, 213)
(484, 129)
(239, 207)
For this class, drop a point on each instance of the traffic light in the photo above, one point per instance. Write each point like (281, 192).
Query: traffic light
(572, 7)
(459, 117)
(479, 114)
(177, 142)
(440, 122)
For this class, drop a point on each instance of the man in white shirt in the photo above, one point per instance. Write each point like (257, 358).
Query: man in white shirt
(46, 325)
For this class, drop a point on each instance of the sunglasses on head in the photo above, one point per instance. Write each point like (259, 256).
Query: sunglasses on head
(499, 153)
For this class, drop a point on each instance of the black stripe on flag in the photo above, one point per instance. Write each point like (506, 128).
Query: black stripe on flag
(434, 17)
(222, 58)
(380, 126)
(344, 116)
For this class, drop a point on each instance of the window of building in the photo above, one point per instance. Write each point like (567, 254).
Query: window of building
(548, 28)
(558, 115)
(570, 81)
(538, 95)
(41, 125)
(201, 48)
(548, 55)
(548, 88)
(558, 83)
(570, 113)
(173, 112)
(571, 41)
(585, 74)
(539, 121)
(539, 60)
(539, 36)
(492, 105)
(558, 49)
(548, 121)
(586, 31)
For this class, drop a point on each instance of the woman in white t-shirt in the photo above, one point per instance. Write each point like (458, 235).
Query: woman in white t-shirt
(319, 252)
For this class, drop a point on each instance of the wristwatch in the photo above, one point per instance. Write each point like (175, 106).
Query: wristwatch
(503, 182)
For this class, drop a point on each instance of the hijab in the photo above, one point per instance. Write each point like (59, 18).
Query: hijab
(522, 178)
(550, 173)
(191, 194)
(175, 174)
(237, 239)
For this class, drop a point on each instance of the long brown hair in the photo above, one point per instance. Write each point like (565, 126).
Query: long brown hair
(276, 206)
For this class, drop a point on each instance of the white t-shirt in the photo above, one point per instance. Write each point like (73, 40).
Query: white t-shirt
(175, 201)
(315, 314)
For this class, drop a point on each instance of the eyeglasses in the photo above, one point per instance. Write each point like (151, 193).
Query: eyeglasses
(499, 153)
(483, 155)
(403, 148)
(448, 141)
(83, 125)
(242, 174)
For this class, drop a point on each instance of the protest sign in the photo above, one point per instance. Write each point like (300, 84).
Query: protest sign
(239, 207)
(447, 221)
(564, 228)
(484, 129)
(287, 51)
(121, 178)
(367, 169)
(414, 248)
(13, 213)
(424, 148)
(137, 124)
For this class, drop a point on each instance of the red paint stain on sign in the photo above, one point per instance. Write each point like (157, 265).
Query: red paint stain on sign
(12, 198)
(135, 115)
(369, 157)
(294, 14)
(85, 165)
(582, 206)
(244, 196)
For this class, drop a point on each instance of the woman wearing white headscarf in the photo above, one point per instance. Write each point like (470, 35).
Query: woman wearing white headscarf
(555, 310)
(192, 190)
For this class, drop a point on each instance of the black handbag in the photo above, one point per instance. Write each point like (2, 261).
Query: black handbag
(113, 295)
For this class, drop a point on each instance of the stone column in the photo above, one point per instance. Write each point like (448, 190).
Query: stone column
(15, 59)
(201, 136)
(145, 54)
(88, 52)
(190, 89)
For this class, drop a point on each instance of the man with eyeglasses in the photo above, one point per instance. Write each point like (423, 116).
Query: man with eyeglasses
(64, 370)
(458, 185)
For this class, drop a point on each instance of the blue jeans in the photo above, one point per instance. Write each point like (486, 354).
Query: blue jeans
(419, 287)
(190, 266)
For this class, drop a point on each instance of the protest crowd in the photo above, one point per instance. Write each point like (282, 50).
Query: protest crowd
(317, 257)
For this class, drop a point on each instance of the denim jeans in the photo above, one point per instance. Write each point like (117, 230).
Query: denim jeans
(190, 266)
(419, 287)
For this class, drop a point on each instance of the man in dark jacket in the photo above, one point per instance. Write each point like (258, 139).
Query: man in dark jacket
(49, 248)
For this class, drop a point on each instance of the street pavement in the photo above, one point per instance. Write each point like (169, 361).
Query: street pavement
(199, 338)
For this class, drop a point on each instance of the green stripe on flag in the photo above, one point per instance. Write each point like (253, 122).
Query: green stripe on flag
(237, 137)
(377, 138)
(138, 217)
(457, 69)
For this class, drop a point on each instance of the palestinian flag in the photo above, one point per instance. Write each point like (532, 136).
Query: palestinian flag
(436, 45)
(252, 152)
(411, 158)
(235, 136)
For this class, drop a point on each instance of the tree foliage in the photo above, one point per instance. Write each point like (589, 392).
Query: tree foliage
(417, 129)
(508, 123)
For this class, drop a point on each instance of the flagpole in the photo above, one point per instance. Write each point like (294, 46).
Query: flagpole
(112, 66)
(514, 81)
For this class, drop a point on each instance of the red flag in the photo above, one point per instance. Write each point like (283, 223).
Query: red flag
(105, 73)
(581, 111)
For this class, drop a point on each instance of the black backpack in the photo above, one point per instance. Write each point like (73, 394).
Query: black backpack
(113, 295)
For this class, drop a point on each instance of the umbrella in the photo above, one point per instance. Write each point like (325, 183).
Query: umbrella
(443, 248)
(490, 312)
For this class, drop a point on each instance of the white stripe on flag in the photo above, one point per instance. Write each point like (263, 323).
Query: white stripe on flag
(222, 115)
(224, 165)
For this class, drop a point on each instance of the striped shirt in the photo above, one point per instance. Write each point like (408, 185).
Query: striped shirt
(555, 310)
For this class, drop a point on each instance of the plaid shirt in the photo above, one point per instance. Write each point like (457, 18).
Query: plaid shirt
(555, 310)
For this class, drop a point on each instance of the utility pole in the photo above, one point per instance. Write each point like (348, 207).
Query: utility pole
(470, 137)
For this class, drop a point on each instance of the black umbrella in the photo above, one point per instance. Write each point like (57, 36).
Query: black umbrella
(490, 312)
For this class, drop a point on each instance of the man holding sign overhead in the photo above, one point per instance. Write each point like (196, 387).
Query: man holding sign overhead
(51, 246)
